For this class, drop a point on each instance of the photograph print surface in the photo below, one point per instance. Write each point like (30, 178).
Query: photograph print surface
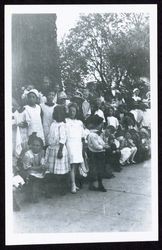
(81, 117)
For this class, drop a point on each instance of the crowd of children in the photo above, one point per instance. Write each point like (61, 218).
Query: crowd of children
(82, 135)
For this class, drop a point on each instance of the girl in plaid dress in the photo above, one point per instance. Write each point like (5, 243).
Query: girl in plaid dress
(56, 153)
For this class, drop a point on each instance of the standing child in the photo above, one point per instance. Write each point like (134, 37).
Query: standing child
(96, 153)
(86, 107)
(33, 112)
(111, 119)
(47, 112)
(56, 153)
(98, 110)
(34, 164)
(75, 137)
(22, 128)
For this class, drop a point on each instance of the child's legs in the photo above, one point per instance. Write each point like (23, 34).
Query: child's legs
(100, 166)
(134, 151)
(92, 167)
(15, 204)
(35, 184)
(72, 173)
(108, 164)
(47, 185)
(125, 155)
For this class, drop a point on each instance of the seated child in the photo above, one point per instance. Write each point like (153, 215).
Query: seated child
(110, 165)
(145, 146)
(113, 153)
(128, 150)
(34, 164)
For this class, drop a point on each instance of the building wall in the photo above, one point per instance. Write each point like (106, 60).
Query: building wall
(34, 50)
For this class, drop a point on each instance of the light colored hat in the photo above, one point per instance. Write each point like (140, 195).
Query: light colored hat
(35, 91)
(136, 89)
(62, 95)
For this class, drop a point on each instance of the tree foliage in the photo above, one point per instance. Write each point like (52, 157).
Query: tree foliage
(106, 47)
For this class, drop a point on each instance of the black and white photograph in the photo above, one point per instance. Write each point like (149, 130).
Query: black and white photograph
(81, 123)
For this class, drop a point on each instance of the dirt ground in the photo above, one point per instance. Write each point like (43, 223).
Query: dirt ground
(125, 207)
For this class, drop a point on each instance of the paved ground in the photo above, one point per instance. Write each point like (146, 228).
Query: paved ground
(126, 206)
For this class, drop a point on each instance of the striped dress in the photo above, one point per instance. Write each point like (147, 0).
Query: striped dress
(57, 135)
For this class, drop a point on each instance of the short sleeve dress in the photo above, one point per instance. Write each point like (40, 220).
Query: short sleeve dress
(75, 133)
(30, 159)
(47, 119)
(57, 135)
(33, 118)
(21, 117)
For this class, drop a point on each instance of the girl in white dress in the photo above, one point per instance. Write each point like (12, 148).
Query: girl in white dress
(75, 137)
(33, 115)
(21, 129)
(47, 112)
(56, 153)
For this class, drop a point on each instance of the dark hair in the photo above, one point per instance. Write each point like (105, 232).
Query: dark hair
(74, 105)
(127, 132)
(128, 121)
(110, 108)
(50, 89)
(59, 113)
(111, 137)
(111, 128)
(34, 137)
(95, 120)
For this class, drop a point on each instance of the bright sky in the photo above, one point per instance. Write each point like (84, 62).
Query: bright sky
(64, 22)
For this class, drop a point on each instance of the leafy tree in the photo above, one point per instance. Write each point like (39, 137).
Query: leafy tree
(106, 47)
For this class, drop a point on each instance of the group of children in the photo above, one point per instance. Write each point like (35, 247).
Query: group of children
(51, 138)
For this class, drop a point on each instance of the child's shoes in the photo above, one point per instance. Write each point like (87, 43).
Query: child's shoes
(93, 188)
(73, 189)
(102, 188)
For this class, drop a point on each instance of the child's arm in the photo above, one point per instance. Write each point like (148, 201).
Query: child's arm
(131, 143)
(27, 117)
(50, 138)
(41, 113)
(27, 163)
(61, 141)
(59, 154)
(95, 143)
(117, 123)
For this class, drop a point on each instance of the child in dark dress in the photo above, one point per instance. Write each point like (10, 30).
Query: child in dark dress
(96, 153)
